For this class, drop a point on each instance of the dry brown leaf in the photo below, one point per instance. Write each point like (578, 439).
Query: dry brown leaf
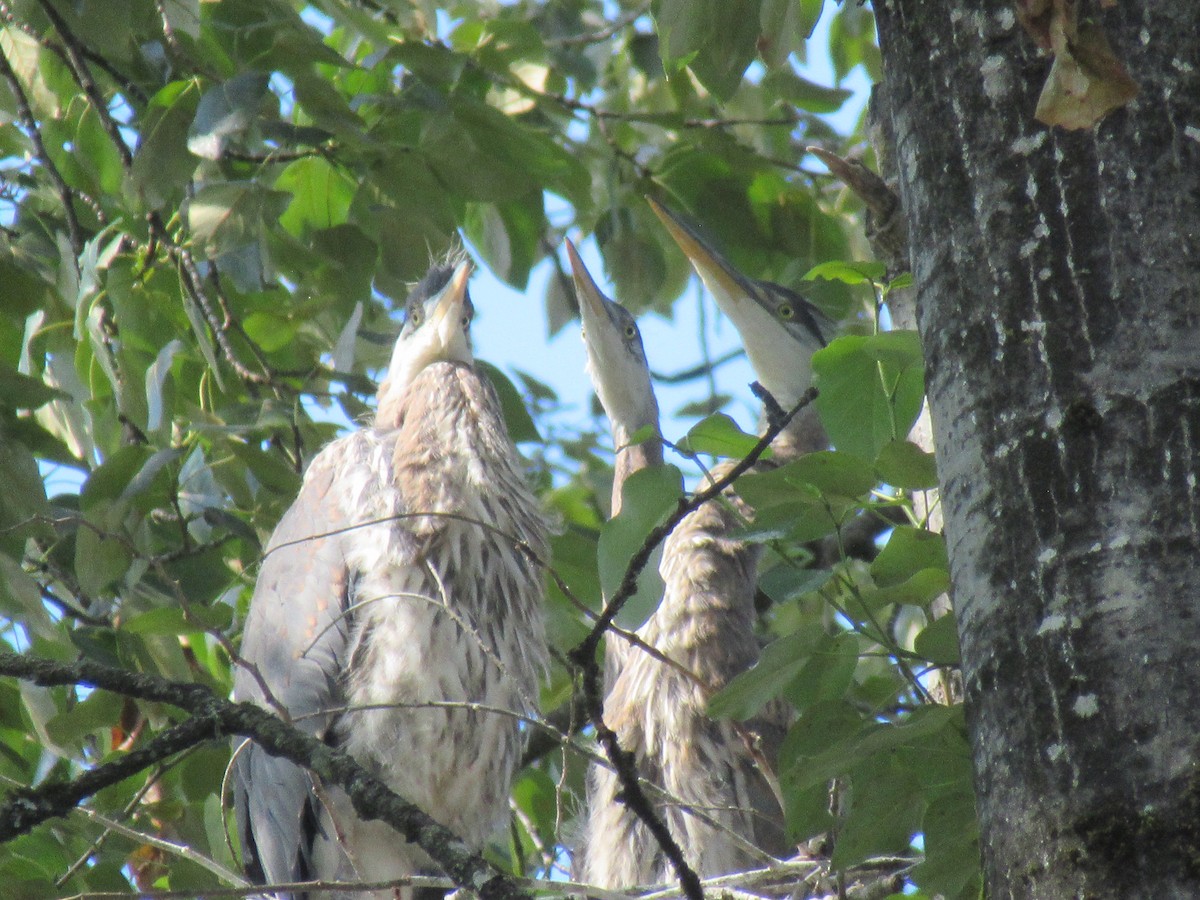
(1086, 81)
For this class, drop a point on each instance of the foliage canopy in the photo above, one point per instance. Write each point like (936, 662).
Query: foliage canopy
(211, 212)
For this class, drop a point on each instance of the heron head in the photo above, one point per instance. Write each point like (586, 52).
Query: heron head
(437, 326)
(779, 328)
(616, 359)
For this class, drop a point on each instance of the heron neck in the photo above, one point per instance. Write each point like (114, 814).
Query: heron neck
(632, 458)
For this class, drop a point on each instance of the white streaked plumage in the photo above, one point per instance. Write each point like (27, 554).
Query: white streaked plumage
(415, 609)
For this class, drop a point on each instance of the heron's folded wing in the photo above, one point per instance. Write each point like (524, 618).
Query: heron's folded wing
(296, 636)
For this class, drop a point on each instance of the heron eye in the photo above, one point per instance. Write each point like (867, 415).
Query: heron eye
(466, 321)
(786, 311)
(630, 332)
(415, 317)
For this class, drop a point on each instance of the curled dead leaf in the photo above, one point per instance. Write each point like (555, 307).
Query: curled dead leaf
(1086, 81)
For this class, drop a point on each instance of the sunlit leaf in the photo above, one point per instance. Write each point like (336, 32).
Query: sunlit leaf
(647, 496)
(719, 435)
(905, 465)
(847, 272)
(870, 389)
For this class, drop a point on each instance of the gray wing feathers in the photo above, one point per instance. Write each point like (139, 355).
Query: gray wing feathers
(296, 635)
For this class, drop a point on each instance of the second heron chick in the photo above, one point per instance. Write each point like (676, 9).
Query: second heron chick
(714, 798)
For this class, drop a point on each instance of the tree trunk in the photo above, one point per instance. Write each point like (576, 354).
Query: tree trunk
(1058, 275)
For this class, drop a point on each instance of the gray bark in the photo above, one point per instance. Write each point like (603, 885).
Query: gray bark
(1057, 276)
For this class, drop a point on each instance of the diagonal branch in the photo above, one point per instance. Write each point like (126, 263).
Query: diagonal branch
(214, 718)
(585, 652)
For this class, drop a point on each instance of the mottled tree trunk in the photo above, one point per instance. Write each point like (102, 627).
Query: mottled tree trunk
(1058, 276)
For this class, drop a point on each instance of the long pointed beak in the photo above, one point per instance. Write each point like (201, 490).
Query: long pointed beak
(591, 300)
(450, 302)
(728, 286)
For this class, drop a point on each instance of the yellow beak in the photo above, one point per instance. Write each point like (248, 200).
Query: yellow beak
(723, 280)
(450, 303)
(591, 300)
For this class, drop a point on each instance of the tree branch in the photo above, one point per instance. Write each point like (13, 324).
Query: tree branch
(214, 718)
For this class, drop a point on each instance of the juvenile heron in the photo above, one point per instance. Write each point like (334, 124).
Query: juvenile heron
(394, 583)
(780, 330)
(722, 811)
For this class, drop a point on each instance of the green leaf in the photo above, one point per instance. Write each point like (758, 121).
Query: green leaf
(886, 806)
(637, 265)
(717, 38)
(824, 730)
(806, 518)
(905, 465)
(321, 195)
(848, 272)
(163, 620)
(646, 498)
(781, 661)
(98, 712)
(227, 215)
(951, 829)
(808, 95)
(719, 435)
(21, 599)
(813, 478)
(827, 673)
(269, 330)
(938, 641)
(920, 589)
(19, 391)
(784, 582)
(871, 389)
(156, 376)
(786, 26)
(102, 554)
(269, 469)
(109, 481)
(508, 236)
(225, 112)
(908, 551)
